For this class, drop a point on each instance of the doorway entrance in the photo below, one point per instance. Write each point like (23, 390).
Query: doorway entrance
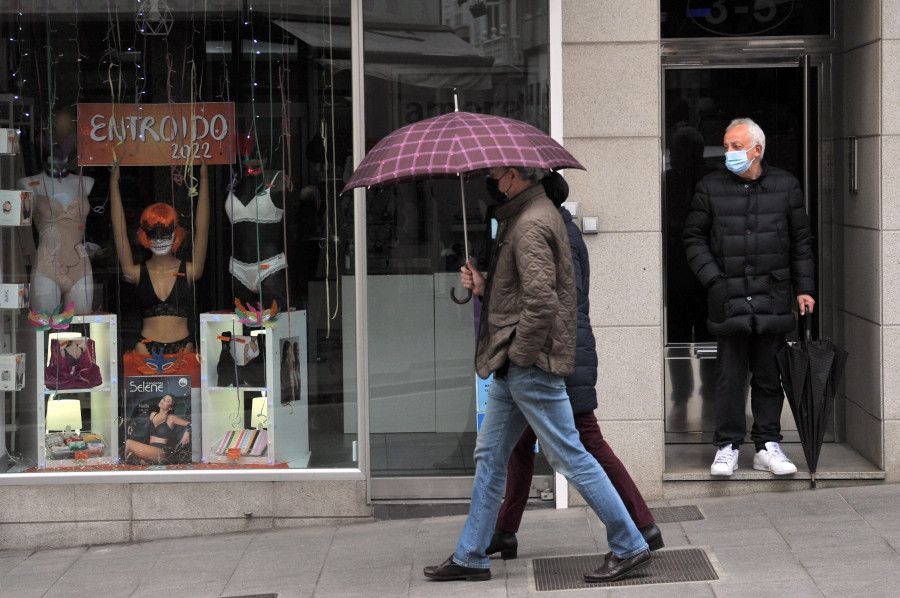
(786, 96)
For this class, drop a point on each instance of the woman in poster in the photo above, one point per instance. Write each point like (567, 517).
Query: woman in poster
(161, 442)
(289, 388)
(297, 379)
(164, 282)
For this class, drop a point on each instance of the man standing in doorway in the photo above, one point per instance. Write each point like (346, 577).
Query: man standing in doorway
(526, 337)
(747, 238)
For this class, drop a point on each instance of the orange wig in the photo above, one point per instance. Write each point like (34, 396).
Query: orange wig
(160, 219)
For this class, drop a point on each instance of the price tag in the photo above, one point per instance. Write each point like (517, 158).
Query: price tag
(233, 453)
(81, 455)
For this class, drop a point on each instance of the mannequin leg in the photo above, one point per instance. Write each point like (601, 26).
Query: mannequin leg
(82, 294)
(45, 293)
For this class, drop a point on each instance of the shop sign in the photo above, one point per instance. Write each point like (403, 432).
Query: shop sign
(744, 18)
(155, 134)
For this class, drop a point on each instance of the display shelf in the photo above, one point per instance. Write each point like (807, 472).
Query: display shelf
(230, 408)
(100, 404)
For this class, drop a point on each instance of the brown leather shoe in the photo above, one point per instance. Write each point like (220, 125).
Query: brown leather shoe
(614, 568)
(450, 571)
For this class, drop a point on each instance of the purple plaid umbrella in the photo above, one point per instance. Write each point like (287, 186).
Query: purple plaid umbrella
(454, 144)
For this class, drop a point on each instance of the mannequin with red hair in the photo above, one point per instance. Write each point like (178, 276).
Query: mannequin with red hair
(164, 282)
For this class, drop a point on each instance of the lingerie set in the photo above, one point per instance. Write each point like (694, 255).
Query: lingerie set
(177, 304)
(261, 210)
(162, 431)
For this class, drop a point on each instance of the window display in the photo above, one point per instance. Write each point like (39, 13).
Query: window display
(185, 332)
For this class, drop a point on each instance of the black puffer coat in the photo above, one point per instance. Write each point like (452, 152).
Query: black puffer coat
(749, 244)
(581, 385)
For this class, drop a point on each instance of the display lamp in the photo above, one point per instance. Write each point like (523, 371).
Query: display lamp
(154, 17)
(64, 414)
(260, 412)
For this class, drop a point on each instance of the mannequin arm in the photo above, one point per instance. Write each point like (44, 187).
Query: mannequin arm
(201, 226)
(120, 232)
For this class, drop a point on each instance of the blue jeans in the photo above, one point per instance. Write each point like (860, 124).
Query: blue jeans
(531, 396)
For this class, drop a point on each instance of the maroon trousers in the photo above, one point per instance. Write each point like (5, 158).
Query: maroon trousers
(520, 470)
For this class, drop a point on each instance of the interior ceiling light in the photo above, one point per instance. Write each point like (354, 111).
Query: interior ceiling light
(154, 18)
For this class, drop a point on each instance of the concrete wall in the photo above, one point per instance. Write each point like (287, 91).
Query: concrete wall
(890, 239)
(41, 516)
(611, 81)
(867, 228)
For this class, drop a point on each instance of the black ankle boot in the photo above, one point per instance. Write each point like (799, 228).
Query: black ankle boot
(505, 543)
(652, 536)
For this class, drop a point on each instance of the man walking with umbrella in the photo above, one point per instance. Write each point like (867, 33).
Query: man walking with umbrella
(747, 239)
(526, 338)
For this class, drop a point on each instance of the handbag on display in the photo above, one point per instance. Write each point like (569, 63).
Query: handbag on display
(241, 361)
(73, 364)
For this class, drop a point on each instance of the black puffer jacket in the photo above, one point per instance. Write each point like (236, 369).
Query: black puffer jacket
(749, 244)
(581, 385)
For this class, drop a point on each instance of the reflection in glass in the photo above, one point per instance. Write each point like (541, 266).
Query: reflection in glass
(486, 57)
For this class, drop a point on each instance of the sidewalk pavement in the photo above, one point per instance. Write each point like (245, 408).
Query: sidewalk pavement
(824, 542)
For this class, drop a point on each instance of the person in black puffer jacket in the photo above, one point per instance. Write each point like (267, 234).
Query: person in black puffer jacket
(747, 238)
(581, 388)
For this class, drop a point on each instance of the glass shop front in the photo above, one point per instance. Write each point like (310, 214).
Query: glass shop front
(182, 271)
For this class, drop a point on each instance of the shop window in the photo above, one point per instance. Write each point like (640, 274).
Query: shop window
(176, 246)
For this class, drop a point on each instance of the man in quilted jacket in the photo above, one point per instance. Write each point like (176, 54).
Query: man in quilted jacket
(747, 238)
(526, 338)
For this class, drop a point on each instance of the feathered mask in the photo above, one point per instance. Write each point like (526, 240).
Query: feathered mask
(256, 317)
(58, 319)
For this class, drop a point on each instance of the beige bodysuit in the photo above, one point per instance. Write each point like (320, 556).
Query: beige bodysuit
(61, 208)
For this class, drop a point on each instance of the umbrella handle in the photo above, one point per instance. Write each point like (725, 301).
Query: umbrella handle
(807, 323)
(460, 301)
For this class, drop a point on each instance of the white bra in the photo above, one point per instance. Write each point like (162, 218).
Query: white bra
(260, 208)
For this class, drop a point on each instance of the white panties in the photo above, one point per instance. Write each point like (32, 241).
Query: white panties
(251, 275)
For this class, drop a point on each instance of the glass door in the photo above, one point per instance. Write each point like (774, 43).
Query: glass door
(783, 97)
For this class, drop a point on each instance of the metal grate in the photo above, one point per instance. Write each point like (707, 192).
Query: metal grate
(675, 514)
(667, 566)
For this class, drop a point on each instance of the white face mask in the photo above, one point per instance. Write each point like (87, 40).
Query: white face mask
(163, 246)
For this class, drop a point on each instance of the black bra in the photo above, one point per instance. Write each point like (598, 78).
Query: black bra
(179, 303)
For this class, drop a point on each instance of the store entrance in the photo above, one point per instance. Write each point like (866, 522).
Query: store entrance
(784, 96)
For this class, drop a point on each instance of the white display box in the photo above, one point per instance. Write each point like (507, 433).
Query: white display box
(12, 371)
(13, 296)
(9, 141)
(15, 208)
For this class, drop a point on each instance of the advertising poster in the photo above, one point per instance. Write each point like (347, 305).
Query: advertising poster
(160, 428)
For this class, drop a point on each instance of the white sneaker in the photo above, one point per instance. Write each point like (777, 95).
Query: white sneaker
(726, 461)
(773, 459)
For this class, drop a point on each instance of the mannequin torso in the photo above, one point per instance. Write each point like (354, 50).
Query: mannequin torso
(255, 209)
(62, 271)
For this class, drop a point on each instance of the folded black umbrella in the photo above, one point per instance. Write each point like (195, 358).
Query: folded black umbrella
(810, 374)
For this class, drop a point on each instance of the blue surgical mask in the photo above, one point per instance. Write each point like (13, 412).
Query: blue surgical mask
(737, 161)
